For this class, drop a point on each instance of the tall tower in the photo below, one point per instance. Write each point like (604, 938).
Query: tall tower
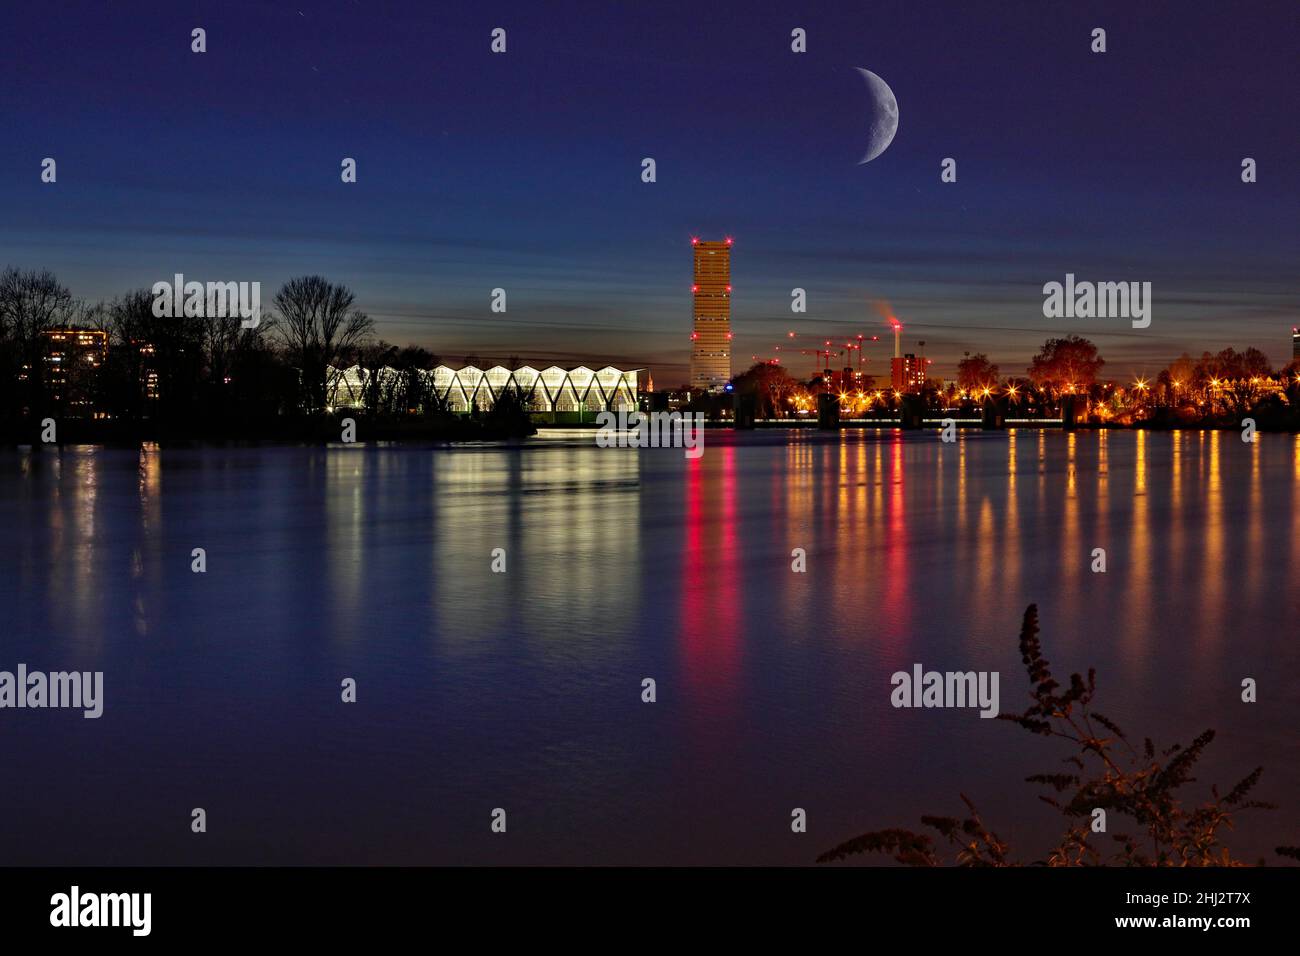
(711, 296)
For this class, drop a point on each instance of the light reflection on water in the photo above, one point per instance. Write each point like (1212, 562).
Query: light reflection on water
(522, 690)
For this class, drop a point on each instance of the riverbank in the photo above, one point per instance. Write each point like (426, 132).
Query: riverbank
(321, 431)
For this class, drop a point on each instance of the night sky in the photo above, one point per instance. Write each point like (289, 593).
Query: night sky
(522, 170)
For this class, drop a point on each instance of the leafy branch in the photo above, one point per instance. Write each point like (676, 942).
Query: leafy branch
(1140, 785)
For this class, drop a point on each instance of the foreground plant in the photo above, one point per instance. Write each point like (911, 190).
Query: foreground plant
(1105, 773)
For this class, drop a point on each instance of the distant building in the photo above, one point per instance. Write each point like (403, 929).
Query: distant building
(711, 309)
(72, 358)
(907, 373)
(148, 369)
(666, 400)
(846, 379)
(1295, 344)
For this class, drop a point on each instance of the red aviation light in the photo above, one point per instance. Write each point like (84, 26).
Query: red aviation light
(729, 240)
(695, 240)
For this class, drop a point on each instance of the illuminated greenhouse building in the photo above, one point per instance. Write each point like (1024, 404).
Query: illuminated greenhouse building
(560, 395)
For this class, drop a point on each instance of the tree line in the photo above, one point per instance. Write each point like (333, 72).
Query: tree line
(1215, 389)
(200, 374)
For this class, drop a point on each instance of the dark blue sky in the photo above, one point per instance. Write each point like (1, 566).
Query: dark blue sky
(523, 170)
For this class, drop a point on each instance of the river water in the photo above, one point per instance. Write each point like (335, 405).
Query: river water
(522, 690)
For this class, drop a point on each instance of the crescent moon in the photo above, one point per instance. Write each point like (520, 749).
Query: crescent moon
(884, 116)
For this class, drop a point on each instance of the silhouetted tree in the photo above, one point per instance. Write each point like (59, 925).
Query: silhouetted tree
(508, 415)
(770, 384)
(31, 304)
(155, 364)
(1234, 378)
(319, 324)
(976, 372)
(378, 391)
(1064, 363)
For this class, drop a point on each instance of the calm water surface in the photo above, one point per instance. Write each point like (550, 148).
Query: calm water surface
(522, 690)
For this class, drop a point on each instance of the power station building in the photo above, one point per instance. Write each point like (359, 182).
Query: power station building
(906, 372)
(711, 311)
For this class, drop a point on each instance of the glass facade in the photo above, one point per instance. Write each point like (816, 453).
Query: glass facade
(548, 391)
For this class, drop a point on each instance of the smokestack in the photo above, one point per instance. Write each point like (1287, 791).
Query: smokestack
(898, 352)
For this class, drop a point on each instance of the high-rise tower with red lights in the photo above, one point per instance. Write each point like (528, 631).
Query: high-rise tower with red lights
(711, 298)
